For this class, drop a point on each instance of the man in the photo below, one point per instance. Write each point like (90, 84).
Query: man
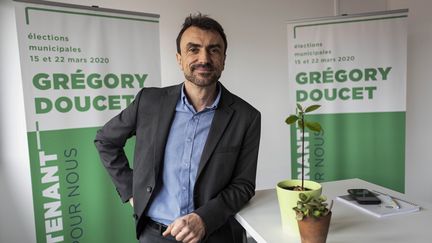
(196, 147)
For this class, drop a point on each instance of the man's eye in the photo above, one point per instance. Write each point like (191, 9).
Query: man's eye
(215, 50)
(193, 49)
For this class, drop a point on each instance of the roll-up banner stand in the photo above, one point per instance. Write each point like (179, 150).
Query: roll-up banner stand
(80, 67)
(355, 68)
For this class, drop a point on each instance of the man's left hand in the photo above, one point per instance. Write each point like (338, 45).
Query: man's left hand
(188, 229)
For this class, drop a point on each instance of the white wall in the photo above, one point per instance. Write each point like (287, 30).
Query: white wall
(356, 6)
(16, 208)
(255, 70)
(418, 165)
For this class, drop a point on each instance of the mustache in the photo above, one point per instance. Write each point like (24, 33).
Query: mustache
(207, 65)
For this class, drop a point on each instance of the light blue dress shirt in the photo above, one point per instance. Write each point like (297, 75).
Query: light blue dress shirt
(186, 140)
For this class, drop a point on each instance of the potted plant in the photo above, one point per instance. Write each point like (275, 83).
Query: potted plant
(288, 190)
(313, 216)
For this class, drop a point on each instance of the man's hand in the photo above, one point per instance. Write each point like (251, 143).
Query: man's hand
(188, 229)
(131, 201)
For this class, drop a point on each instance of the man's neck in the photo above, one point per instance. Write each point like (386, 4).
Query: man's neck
(200, 97)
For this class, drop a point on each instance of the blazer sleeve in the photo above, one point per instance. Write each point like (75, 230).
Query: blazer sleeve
(241, 189)
(110, 141)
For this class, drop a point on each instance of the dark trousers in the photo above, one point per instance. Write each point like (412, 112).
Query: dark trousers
(151, 235)
(229, 233)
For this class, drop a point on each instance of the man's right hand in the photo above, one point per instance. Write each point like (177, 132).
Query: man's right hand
(187, 229)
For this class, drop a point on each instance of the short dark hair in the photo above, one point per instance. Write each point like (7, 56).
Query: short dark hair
(203, 22)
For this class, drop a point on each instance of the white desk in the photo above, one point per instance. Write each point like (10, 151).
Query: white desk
(261, 219)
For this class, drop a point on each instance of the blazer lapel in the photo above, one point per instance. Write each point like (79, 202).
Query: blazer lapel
(166, 115)
(221, 120)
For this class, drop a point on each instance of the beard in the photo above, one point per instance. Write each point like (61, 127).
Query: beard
(203, 79)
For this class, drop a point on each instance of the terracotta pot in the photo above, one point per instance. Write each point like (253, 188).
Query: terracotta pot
(314, 230)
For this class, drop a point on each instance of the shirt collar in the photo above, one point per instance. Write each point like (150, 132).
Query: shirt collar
(213, 106)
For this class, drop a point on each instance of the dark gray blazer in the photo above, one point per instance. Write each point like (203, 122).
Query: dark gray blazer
(226, 175)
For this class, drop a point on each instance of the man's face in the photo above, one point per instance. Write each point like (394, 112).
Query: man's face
(202, 56)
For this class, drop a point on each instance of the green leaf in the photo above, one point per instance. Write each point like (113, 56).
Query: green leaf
(299, 107)
(299, 205)
(314, 204)
(300, 124)
(312, 108)
(303, 197)
(308, 199)
(291, 119)
(314, 126)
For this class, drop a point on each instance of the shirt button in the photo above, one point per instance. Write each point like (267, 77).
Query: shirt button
(188, 140)
(149, 189)
(184, 188)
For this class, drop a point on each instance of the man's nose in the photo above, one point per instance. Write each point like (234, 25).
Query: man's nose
(204, 56)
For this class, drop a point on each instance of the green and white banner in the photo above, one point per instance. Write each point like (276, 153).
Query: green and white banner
(80, 67)
(355, 68)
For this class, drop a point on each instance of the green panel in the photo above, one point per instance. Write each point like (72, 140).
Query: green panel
(91, 210)
(369, 146)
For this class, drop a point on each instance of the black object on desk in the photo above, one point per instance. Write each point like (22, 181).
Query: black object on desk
(364, 196)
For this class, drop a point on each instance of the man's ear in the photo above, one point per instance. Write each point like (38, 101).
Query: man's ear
(179, 60)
